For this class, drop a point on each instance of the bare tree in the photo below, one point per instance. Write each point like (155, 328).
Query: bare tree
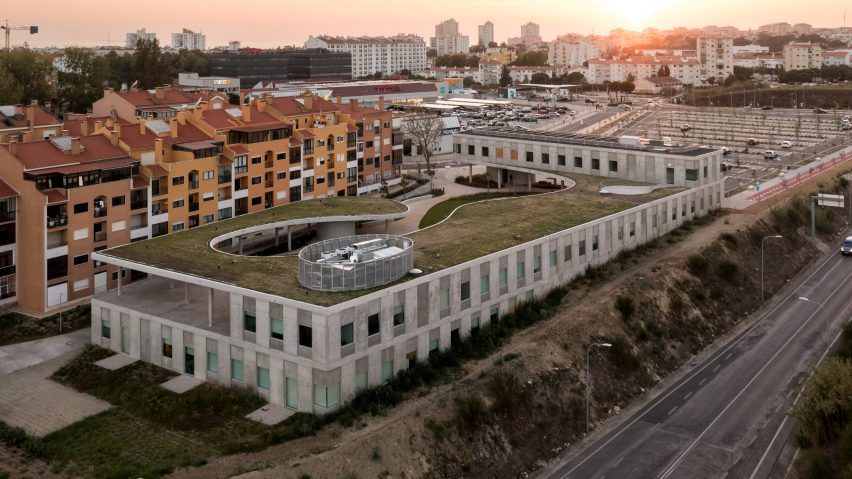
(425, 130)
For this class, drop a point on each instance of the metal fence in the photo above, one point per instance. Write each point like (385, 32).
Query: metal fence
(348, 277)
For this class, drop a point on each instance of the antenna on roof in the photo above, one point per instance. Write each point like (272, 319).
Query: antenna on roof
(133, 85)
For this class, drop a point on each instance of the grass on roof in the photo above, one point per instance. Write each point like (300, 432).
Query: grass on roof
(473, 231)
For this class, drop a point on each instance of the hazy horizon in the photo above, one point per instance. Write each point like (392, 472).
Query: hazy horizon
(268, 23)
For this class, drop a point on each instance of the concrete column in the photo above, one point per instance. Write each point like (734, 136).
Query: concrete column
(289, 238)
(387, 226)
(240, 240)
(186, 293)
(209, 307)
(499, 178)
(277, 230)
(529, 181)
(470, 174)
(119, 280)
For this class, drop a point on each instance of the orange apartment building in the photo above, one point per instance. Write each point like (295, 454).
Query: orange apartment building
(173, 168)
(8, 243)
(25, 123)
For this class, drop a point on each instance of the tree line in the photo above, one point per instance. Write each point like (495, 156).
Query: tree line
(78, 77)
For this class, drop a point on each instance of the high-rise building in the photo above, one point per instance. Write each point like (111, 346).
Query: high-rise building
(802, 56)
(370, 55)
(189, 40)
(530, 34)
(141, 34)
(570, 52)
(234, 46)
(716, 56)
(448, 40)
(486, 33)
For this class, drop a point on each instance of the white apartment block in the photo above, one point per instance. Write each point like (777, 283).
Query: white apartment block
(750, 49)
(189, 40)
(486, 33)
(687, 70)
(716, 56)
(387, 55)
(531, 34)
(837, 58)
(781, 28)
(141, 34)
(525, 73)
(571, 53)
(802, 56)
(442, 73)
(489, 71)
(759, 60)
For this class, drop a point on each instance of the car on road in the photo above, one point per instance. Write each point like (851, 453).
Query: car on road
(846, 247)
(590, 100)
(624, 106)
(786, 144)
(752, 142)
(820, 111)
(769, 155)
(685, 127)
(767, 107)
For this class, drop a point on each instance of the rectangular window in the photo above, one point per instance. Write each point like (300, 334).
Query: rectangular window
(177, 180)
(485, 151)
(398, 314)
(495, 314)
(167, 347)
(256, 200)
(465, 290)
(255, 160)
(212, 362)
(552, 258)
(581, 248)
(118, 200)
(306, 336)
(521, 270)
(255, 180)
(82, 259)
(105, 331)
(484, 283)
(560, 160)
(207, 175)
(537, 264)
(292, 393)
(568, 253)
(209, 219)
(654, 221)
(691, 174)
(578, 162)
(387, 371)
(504, 276)
(444, 298)
(177, 203)
(705, 171)
(81, 208)
(249, 322)
(282, 175)
(613, 165)
(545, 158)
(327, 396)
(263, 378)
(347, 334)
(596, 164)
(361, 378)
(237, 369)
(471, 150)
(595, 243)
(529, 156)
(632, 229)
(433, 346)
(474, 325)
(373, 324)
(276, 328)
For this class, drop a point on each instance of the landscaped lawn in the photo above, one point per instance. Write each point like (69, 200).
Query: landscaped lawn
(443, 209)
(18, 328)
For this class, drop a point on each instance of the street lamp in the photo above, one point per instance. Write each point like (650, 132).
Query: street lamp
(588, 385)
(817, 303)
(761, 263)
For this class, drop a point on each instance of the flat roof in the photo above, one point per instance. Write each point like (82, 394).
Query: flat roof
(585, 140)
(474, 231)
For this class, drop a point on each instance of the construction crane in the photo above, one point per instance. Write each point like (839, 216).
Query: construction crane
(9, 25)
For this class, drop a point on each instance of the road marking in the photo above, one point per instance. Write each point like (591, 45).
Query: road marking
(717, 368)
(677, 386)
(679, 459)
(728, 355)
(798, 396)
(687, 395)
(703, 380)
(673, 410)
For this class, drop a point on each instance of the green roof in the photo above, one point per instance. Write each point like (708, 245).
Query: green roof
(473, 231)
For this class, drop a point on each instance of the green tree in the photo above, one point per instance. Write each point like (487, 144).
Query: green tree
(120, 69)
(664, 71)
(191, 61)
(81, 79)
(10, 91)
(151, 67)
(825, 407)
(505, 78)
(541, 78)
(32, 72)
(535, 58)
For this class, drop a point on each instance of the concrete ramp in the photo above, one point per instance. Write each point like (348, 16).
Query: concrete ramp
(270, 415)
(116, 362)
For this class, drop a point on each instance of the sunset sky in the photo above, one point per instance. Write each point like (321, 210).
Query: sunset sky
(269, 23)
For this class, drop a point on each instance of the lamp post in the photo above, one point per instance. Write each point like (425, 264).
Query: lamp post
(762, 243)
(817, 303)
(588, 385)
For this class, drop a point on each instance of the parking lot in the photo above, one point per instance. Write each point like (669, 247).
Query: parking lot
(779, 138)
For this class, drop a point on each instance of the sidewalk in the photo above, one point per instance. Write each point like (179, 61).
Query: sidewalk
(23, 355)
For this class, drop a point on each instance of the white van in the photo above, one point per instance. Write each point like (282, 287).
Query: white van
(786, 144)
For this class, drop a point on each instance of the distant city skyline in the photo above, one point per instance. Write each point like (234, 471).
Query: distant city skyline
(84, 24)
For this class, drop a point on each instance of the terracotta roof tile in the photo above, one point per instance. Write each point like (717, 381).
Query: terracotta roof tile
(187, 133)
(43, 154)
(6, 190)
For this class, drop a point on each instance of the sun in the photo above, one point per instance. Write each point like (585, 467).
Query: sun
(635, 14)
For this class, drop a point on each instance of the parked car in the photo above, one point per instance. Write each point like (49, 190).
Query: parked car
(846, 247)
(820, 111)
(767, 107)
(685, 127)
(752, 142)
(769, 155)
(786, 144)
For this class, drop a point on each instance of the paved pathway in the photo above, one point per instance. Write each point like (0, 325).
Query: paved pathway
(31, 401)
(22, 355)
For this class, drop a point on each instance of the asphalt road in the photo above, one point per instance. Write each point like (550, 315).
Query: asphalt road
(726, 416)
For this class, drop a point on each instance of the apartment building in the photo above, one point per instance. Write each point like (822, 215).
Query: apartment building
(134, 37)
(570, 52)
(486, 33)
(442, 73)
(448, 40)
(531, 34)
(759, 60)
(76, 195)
(489, 71)
(189, 40)
(716, 56)
(837, 58)
(370, 55)
(802, 56)
(521, 73)
(161, 103)
(8, 244)
(499, 54)
(775, 29)
(379, 154)
(308, 348)
(686, 70)
(272, 66)
(23, 123)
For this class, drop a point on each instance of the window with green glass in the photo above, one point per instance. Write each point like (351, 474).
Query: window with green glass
(398, 314)
(537, 265)
(595, 243)
(484, 283)
(444, 298)
(276, 328)
(347, 334)
(292, 387)
(474, 324)
(361, 381)
(465, 290)
(326, 396)
(522, 270)
(433, 346)
(105, 331)
(504, 276)
(212, 362)
(263, 378)
(387, 371)
(553, 258)
(237, 369)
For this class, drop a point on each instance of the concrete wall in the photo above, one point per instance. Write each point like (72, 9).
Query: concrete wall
(426, 320)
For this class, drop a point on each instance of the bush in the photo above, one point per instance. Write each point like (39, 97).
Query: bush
(506, 391)
(697, 264)
(437, 192)
(728, 270)
(825, 409)
(438, 430)
(471, 412)
(621, 354)
(625, 306)
(824, 221)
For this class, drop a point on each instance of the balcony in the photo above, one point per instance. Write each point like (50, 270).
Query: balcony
(7, 216)
(100, 237)
(139, 204)
(7, 270)
(100, 212)
(159, 191)
(159, 208)
(225, 178)
(55, 222)
(193, 185)
(57, 242)
(268, 184)
(193, 206)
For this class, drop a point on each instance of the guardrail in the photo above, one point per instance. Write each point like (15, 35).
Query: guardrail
(799, 178)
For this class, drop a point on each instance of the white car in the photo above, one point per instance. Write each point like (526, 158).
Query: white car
(786, 144)
(769, 155)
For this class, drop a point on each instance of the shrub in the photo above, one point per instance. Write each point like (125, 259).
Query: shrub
(625, 306)
(728, 270)
(697, 264)
(436, 428)
(824, 221)
(505, 389)
(471, 412)
(437, 191)
(728, 238)
(376, 454)
(621, 354)
(825, 409)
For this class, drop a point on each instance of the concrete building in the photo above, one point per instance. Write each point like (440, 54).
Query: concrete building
(489, 71)
(448, 40)
(370, 55)
(27, 123)
(442, 73)
(570, 52)
(658, 85)
(234, 46)
(368, 93)
(519, 73)
(686, 70)
(803, 28)
(775, 29)
(265, 67)
(802, 56)
(531, 34)
(141, 34)
(750, 49)
(837, 58)
(189, 40)
(486, 33)
(304, 347)
(759, 60)
(499, 54)
(191, 81)
(716, 56)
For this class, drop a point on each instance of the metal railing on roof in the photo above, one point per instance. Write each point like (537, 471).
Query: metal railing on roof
(577, 139)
